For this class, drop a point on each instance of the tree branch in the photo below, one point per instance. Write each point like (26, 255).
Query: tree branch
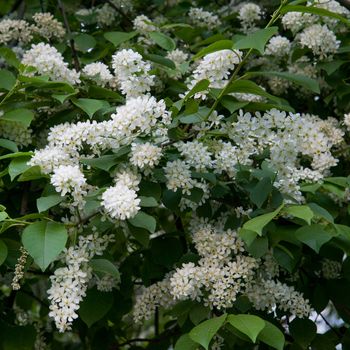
(120, 11)
(71, 41)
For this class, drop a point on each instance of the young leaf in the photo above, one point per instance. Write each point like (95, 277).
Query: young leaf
(162, 40)
(105, 266)
(21, 115)
(314, 236)
(272, 336)
(202, 85)
(250, 325)
(84, 42)
(258, 223)
(44, 240)
(144, 220)
(10, 145)
(94, 306)
(300, 211)
(256, 40)
(104, 162)
(44, 203)
(185, 343)
(116, 38)
(205, 331)
(90, 106)
(7, 79)
(18, 166)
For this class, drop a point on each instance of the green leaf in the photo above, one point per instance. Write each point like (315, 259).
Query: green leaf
(185, 343)
(250, 325)
(21, 115)
(33, 173)
(3, 251)
(256, 40)
(303, 331)
(205, 331)
(217, 46)
(148, 201)
(258, 223)
(161, 60)
(7, 79)
(162, 40)
(90, 106)
(143, 220)
(313, 236)
(272, 336)
(105, 266)
(10, 145)
(231, 104)
(261, 191)
(9, 56)
(45, 203)
(202, 85)
(104, 162)
(116, 38)
(247, 86)
(321, 212)
(302, 80)
(18, 166)
(332, 66)
(314, 10)
(44, 240)
(84, 42)
(300, 211)
(94, 306)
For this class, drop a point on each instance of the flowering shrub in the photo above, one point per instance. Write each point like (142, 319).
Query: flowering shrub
(174, 175)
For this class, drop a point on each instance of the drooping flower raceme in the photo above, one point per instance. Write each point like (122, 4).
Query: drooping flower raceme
(216, 68)
(48, 61)
(132, 72)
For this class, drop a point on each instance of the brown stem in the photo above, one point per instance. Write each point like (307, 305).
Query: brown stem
(71, 41)
(120, 11)
(24, 201)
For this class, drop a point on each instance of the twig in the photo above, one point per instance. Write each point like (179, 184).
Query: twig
(330, 326)
(120, 11)
(71, 41)
(24, 201)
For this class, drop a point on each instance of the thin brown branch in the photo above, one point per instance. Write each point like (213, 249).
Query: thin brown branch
(69, 32)
(120, 11)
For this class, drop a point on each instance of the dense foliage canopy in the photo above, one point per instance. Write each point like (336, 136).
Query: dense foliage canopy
(174, 175)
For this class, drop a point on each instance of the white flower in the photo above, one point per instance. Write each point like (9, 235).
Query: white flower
(278, 46)
(99, 72)
(248, 15)
(47, 26)
(15, 30)
(120, 202)
(320, 40)
(296, 21)
(178, 176)
(145, 155)
(48, 61)
(143, 24)
(202, 18)
(132, 73)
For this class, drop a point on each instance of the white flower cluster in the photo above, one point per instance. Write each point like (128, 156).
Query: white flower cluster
(69, 283)
(347, 121)
(105, 15)
(16, 132)
(267, 294)
(47, 26)
(143, 24)
(48, 61)
(179, 57)
(331, 269)
(278, 46)
(15, 30)
(202, 18)
(216, 68)
(143, 115)
(69, 179)
(120, 202)
(295, 21)
(99, 72)
(132, 73)
(156, 295)
(320, 40)
(249, 14)
(145, 155)
(289, 137)
(221, 273)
